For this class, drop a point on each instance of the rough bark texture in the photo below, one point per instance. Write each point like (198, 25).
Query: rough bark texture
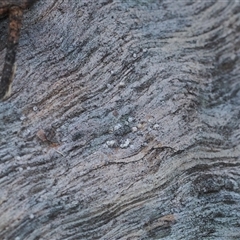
(124, 122)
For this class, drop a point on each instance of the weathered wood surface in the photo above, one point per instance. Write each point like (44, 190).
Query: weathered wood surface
(124, 122)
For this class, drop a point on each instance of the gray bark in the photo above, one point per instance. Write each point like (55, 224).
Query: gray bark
(124, 122)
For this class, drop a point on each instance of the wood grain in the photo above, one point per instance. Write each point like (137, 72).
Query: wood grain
(139, 103)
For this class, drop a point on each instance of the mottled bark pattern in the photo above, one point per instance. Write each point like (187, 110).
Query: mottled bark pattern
(14, 9)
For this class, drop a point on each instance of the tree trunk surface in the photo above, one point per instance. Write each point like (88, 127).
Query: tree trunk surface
(123, 122)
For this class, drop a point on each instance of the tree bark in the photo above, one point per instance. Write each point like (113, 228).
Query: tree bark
(124, 122)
